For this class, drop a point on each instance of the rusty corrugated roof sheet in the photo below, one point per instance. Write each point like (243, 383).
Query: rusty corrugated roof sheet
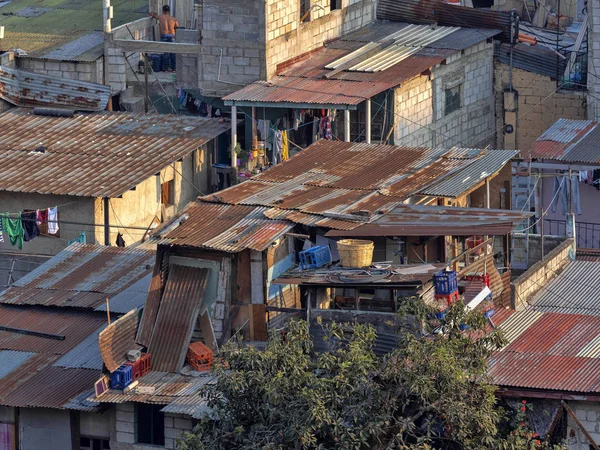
(549, 351)
(179, 308)
(53, 387)
(419, 220)
(81, 276)
(229, 228)
(576, 141)
(304, 82)
(30, 89)
(118, 338)
(102, 154)
(588, 254)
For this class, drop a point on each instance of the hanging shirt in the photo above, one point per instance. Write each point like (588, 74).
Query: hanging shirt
(277, 146)
(30, 228)
(1, 233)
(263, 129)
(14, 229)
(285, 154)
(53, 220)
(42, 221)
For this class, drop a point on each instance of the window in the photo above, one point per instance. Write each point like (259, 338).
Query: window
(452, 97)
(304, 11)
(88, 443)
(167, 193)
(335, 4)
(150, 424)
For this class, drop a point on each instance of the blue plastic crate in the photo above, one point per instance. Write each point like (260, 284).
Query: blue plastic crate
(445, 282)
(314, 257)
(121, 378)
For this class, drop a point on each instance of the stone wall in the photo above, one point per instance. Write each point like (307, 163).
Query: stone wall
(420, 103)
(588, 413)
(287, 37)
(71, 70)
(537, 107)
(529, 283)
(123, 435)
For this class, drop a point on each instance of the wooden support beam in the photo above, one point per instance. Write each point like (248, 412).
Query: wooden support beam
(130, 45)
(58, 337)
(581, 427)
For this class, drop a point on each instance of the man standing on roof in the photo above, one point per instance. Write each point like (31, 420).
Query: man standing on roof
(168, 24)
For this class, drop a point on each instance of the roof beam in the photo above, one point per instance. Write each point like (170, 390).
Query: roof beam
(564, 166)
(285, 105)
(130, 45)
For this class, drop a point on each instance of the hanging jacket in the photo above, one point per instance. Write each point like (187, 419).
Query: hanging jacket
(284, 146)
(30, 228)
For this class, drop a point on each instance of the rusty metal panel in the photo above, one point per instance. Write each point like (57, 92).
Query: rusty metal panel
(28, 89)
(94, 155)
(117, 339)
(179, 308)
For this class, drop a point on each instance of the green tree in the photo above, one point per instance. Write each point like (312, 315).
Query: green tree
(430, 392)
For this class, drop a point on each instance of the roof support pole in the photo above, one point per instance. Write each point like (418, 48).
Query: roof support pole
(347, 125)
(106, 221)
(368, 121)
(487, 193)
(233, 136)
(107, 15)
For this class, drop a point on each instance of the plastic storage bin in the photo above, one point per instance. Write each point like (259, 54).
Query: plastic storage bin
(314, 257)
(140, 367)
(445, 282)
(122, 377)
(199, 356)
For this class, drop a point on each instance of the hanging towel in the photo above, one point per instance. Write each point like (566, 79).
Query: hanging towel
(14, 229)
(277, 146)
(53, 220)
(38, 217)
(284, 146)
(81, 239)
(30, 228)
(1, 233)
(263, 129)
(43, 221)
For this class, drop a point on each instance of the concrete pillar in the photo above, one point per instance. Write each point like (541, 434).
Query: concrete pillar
(570, 229)
(347, 125)
(233, 136)
(107, 15)
(368, 121)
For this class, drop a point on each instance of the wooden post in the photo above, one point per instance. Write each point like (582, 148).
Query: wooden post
(368, 121)
(487, 193)
(347, 125)
(107, 311)
(146, 100)
(233, 136)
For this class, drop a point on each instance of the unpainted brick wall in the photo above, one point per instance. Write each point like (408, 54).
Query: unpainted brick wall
(419, 105)
(538, 105)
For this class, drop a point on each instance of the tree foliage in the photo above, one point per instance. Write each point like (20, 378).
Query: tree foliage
(430, 392)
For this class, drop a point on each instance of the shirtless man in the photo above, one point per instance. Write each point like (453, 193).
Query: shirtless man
(168, 23)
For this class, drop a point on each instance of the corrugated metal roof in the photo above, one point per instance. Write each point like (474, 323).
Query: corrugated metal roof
(177, 315)
(117, 339)
(575, 290)
(81, 402)
(549, 351)
(10, 360)
(132, 297)
(535, 59)
(417, 49)
(442, 13)
(81, 276)
(53, 387)
(466, 179)
(229, 228)
(576, 141)
(94, 155)
(85, 355)
(30, 89)
(419, 220)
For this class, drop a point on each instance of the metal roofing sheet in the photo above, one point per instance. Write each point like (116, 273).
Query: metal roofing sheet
(10, 360)
(81, 276)
(52, 387)
(85, 355)
(535, 59)
(569, 140)
(94, 155)
(177, 315)
(117, 339)
(74, 325)
(462, 181)
(132, 297)
(575, 290)
(30, 89)
(229, 228)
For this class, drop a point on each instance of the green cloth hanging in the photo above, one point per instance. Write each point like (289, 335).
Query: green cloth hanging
(14, 229)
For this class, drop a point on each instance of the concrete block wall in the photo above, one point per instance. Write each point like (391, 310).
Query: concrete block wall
(287, 38)
(116, 69)
(70, 70)
(123, 434)
(538, 105)
(419, 104)
(588, 413)
(233, 45)
(187, 64)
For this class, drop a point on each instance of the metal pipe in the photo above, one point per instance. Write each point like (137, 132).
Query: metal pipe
(106, 221)
(368, 121)
(106, 16)
(233, 135)
(347, 125)
(487, 193)
(146, 100)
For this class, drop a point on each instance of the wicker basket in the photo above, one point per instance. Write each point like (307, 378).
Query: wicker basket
(355, 252)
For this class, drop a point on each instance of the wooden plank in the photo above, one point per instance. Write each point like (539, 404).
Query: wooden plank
(58, 337)
(244, 286)
(259, 319)
(581, 427)
(129, 45)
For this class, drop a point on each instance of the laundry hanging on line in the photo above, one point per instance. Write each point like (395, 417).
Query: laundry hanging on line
(14, 230)
(28, 225)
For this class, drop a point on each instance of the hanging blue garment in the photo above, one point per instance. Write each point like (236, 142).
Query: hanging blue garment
(80, 239)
